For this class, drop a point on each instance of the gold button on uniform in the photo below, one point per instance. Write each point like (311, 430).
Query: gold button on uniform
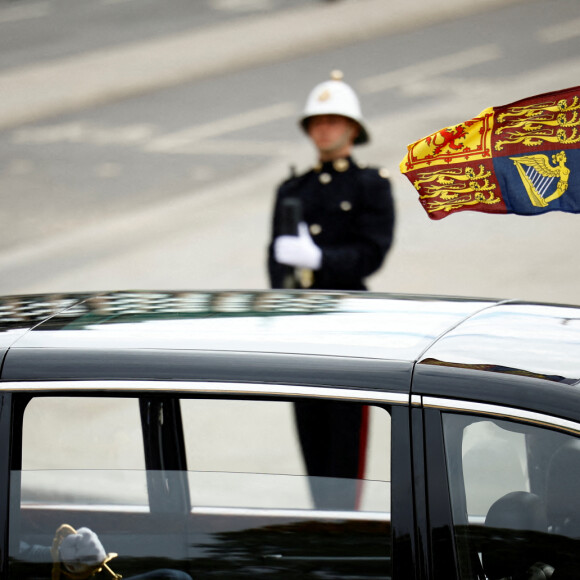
(315, 229)
(325, 178)
(340, 165)
(345, 205)
(384, 173)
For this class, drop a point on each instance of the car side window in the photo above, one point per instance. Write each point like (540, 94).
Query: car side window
(494, 464)
(254, 486)
(82, 465)
(295, 488)
(84, 449)
(515, 502)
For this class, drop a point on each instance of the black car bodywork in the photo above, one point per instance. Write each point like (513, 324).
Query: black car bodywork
(448, 375)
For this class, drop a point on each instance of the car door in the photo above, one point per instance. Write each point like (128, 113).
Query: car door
(258, 506)
(86, 456)
(206, 478)
(502, 495)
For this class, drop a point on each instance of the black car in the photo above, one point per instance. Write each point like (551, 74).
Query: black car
(290, 434)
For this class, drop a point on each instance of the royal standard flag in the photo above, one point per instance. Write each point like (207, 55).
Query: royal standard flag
(521, 158)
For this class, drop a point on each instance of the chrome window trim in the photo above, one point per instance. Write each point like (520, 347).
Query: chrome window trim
(209, 388)
(78, 507)
(294, 513)
(503, 412)
(220, 511)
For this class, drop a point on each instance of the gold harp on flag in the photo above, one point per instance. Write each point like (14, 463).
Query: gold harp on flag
(538, 176)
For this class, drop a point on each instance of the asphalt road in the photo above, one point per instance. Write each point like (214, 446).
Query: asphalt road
(40, 31)
(172, 187)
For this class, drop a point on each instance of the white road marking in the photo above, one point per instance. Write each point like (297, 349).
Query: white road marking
(430, 68)
(16, 13)
(236, 147)
(83, 132)
(203, 173)
(560, 32)
(115, 1)
(241, 5)
(256, 117)
(197, 140)
(108, 170)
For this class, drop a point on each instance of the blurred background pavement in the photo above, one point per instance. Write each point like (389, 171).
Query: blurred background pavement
(141, 142)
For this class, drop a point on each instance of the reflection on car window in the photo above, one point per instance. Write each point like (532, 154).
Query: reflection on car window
(494, 463)
(514, 498)
(242, 503)
(84, 449)
(244, 441)
(246, 461)
(83, 471)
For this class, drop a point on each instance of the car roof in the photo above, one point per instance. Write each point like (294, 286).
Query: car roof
(541, 339)
(315, 323)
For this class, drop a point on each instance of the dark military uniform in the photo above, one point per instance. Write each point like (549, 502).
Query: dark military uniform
(350, 214)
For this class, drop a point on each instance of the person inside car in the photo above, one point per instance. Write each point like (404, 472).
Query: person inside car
(79, 554)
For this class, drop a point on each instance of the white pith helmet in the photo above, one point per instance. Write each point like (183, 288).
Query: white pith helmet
(335, 97)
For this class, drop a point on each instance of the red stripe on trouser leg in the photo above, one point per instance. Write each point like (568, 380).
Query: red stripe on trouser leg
(362, 454)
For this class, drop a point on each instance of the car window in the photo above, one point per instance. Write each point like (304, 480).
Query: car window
(515, 503)
(310, 481)
(272, 487)
(253, 454)
(84, 449)
(82, 466)
(494, 464)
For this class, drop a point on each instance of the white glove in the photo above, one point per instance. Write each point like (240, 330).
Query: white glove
(299, 251)
(81, 551)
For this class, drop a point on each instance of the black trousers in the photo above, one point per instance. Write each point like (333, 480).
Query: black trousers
(333, 437)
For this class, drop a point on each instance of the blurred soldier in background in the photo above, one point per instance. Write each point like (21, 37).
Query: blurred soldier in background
(345, 210)
(332, 227)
